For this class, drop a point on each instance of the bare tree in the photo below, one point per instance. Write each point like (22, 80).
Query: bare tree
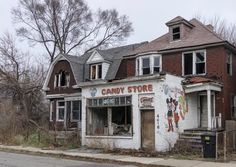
(65, 26)
(19, 81)
(224, 29)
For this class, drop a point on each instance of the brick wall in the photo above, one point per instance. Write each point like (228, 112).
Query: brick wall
(216, 68)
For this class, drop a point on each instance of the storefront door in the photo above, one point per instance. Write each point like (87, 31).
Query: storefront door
(148, 129)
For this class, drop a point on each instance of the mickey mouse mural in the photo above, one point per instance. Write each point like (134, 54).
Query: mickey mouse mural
(172, 106)
(176, 106)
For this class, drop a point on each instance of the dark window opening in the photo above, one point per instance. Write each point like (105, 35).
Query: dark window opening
(176, 33)
(97, 122)
(233, 107)
(100, 71)
(146, 66)
(63, 78)
(229, 64)
(200, 63)
(188, 64)
(76, 110)
(156, 67)
(121, 120)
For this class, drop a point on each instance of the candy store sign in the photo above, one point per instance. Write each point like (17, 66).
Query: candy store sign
(129, 89)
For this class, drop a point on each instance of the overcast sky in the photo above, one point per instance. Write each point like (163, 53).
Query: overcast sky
(148, 16)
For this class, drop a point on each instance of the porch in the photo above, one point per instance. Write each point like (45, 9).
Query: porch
(204, 91)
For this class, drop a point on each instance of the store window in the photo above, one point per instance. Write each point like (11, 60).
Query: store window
(109, 116)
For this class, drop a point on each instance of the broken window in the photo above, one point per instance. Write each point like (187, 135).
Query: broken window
(150, 64)
(176, 33)
(188, 63)
(109, 116)
(62, 79)
(194, 63)
(121, 121)
(96, 71)
(97, 122)
(229, 63)
(60, 111)
(200, 62)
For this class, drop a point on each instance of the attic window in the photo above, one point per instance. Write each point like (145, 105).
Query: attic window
(96, 71)
(176, 33)
(62, 79)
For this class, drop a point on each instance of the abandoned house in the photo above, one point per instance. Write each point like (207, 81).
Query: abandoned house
(144, 95)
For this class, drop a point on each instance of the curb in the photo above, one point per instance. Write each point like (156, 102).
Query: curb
(98, 157)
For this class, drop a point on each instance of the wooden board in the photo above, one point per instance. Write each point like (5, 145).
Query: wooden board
(148, 129)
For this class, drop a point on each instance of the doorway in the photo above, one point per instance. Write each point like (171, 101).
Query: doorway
(148, 129)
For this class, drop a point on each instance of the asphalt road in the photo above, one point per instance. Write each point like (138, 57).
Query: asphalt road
(22, 160)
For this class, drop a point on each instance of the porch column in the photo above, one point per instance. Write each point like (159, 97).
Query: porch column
(209, 108)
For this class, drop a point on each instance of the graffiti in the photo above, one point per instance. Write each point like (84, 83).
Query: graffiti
(176, 106)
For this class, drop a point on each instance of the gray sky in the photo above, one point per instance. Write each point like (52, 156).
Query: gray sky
(148, 16)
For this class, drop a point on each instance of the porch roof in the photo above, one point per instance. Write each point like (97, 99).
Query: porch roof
(197, 84)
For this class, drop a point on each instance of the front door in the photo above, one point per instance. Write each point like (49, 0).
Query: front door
(148, 129)
(203, 110)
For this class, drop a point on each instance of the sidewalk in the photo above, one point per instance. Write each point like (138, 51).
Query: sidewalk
(95, 155)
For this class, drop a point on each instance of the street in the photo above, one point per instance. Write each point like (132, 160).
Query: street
(22, 160)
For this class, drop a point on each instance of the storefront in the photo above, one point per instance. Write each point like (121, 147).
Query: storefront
(133, 114)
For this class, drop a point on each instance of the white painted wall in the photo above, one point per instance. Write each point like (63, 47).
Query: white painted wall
(162, 89)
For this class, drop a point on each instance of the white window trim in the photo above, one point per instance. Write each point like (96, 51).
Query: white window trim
(59, 80)
(71, 112)
(96, 76)
(57, 113)
(51, 112)
(139, 70)
(194, 62)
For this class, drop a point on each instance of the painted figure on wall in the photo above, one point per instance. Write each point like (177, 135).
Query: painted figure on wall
(176, 106)
(169, 114)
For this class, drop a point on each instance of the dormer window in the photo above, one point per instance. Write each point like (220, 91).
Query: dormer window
(96, 71)
(62, 79)
(149, 64)
(176, 33)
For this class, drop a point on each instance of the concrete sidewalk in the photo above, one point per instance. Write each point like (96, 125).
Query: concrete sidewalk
(95, 155)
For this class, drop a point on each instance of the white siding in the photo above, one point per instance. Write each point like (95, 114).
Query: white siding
(105, 67)
(95, 57)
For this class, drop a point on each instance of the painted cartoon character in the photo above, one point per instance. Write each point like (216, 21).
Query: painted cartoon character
(176, 115)
(169, 114)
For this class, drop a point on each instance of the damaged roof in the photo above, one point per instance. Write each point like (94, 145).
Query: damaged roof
(198, 79)
(198, 35)
(114, 55)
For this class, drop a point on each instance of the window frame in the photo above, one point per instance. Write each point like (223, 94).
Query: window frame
(51, 112)
(57, 111)
(230, 63)
(58, 77)
(173, 34)
(96, 71)
(194, 62)
(139, 64)
(79, 111)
